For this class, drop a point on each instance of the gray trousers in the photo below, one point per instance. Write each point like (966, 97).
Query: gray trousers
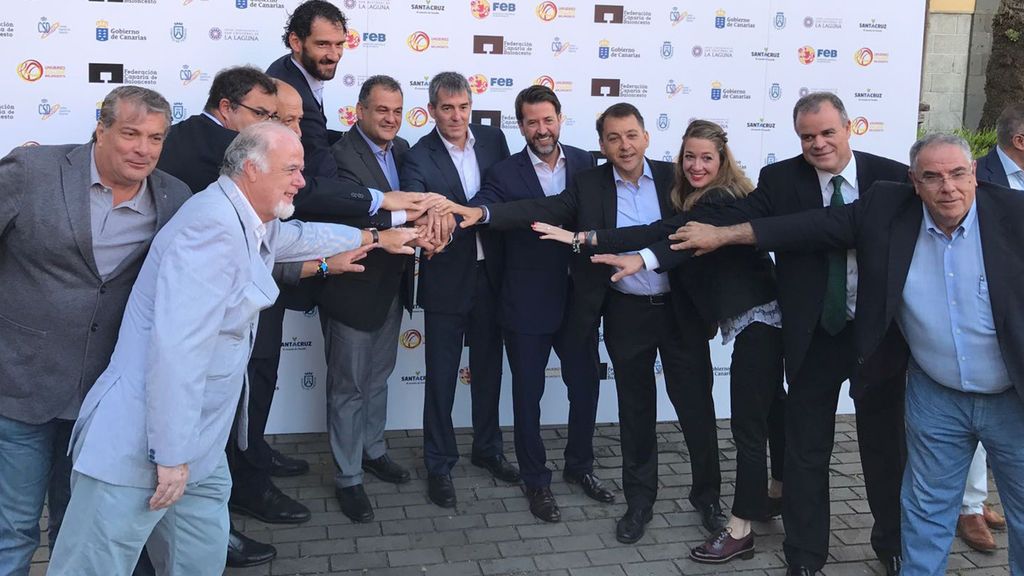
(106, 527)
(358, 366)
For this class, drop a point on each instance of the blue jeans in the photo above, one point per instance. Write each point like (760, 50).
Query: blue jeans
(33, 463)
(944, 427)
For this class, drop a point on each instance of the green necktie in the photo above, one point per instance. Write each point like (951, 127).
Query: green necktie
(833, 313)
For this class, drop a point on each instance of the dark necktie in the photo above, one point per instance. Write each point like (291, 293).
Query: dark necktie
(833, 313)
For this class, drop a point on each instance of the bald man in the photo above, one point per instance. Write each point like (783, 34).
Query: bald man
(289, 106)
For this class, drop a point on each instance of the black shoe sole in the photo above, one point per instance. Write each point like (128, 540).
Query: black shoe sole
(743, 555)
(643, 531)
(251, 563)
(237, 509)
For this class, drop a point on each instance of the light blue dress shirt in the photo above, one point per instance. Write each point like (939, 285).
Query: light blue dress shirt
(1014, 175)
(637, 204)
(946, 314)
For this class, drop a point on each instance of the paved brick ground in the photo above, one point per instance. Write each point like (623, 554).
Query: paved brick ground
(492, 531)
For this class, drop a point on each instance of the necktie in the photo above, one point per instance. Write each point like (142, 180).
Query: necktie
(833, 313)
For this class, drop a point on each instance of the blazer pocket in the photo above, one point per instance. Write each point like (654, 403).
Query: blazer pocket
(22, 350)
(21, 327)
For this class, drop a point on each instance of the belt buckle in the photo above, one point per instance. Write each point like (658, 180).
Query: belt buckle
(656, 299)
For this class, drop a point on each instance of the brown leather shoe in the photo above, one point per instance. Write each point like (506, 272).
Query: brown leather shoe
(994, 519)
(971, 528)
(722, 547)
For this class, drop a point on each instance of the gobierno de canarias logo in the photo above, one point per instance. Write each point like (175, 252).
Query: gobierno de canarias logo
(30, 70)
(480, 9)
(478, 83)
(547, 11)
(417, 117)
(419, 41)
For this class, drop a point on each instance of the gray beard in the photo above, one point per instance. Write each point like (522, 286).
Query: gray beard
(284, 210)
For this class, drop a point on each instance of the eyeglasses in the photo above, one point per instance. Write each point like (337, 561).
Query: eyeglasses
(260, 112)
(935, 181)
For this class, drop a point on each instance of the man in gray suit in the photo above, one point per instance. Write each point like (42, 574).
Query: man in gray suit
(75, 224)
(148, 446)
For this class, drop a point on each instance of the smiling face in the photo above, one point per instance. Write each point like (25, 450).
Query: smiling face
(381, 118)
(701, 162)
(451, 114)
(541, 126)
(127, 151)
(944, 180)
(271, 193)
(623, 142)
(321, 51)
(824, 138)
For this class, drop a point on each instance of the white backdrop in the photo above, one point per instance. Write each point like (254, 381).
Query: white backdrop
(740, 63)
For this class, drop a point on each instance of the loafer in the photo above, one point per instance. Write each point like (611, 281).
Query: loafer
(440, 490)
(498, 466)
(798, 570)
(630, 528)
(722, 547)
(592, 486)
(272, 507)
(893, 565)
(711, 517)
(244, 551)
(994, 519)
(542, 504)
(283, 466)
(354, 503)
(972, 529)
(386, 469)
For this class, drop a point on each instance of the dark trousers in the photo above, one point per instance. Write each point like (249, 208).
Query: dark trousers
(527, 358)
(250, 468)
(758, 402)
(635, 332)
(443, 338)
(810, 431)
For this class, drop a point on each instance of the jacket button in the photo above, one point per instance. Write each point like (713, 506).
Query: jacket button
(860, 360)
(95, 327)
(103, 289)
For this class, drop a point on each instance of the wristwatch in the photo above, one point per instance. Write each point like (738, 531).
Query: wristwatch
(374, 235)
(322, 268)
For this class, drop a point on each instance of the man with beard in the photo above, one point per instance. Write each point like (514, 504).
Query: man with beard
(535, 295)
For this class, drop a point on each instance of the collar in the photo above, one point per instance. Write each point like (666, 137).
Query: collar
(470, 141)
(317, 86)
(647, 173)
(373, 145)
(1009, 166)
(535, 160)
(250, 219)
(137, 203)
(849, 174)
(214, 118)
(965, 227)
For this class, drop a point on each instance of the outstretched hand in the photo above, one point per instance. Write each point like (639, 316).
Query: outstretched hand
(624, 264)
(346, 261)
(470, 214)
(396, 240)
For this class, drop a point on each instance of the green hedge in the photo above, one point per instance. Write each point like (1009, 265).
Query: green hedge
(981, 141)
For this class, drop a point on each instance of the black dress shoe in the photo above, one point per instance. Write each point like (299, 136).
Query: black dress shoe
(630, 527)
(244, 551)
(893, 565)
(282, 466)
(798, 570)
(440, 490)
(542, 504)
(592, 486)
(498, 466)
(712, 518)
(272, 507)
(386, 469)
(354, 503)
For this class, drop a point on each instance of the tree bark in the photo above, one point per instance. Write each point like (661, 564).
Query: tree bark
(1004, 77)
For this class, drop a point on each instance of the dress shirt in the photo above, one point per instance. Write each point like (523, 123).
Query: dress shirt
(552, 181)
(850, 192)
(946, 314)
(386, 159)
(1014, 174)
(466, 165)
(637, 204)
(118, 230)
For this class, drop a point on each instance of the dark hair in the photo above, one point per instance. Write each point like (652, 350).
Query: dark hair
(1009, 124)
(301, 21)
(451, 83)
(150, 101)
(620, 110)
(535, 95)
(234, 83)
(385, 82)
(812, 103)
(730, 176)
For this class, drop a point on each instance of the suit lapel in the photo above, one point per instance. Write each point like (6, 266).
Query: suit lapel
(609, 197)
(75, 175)
(808, 188)
(663, 186)
(529, 175)
(902, 240)
(369, 159)
(444, 164)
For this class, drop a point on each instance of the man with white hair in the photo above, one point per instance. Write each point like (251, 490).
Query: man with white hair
(148, 447)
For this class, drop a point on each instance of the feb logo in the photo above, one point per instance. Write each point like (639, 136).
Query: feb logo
(411, 339)
(860, 125)
(102, 30)
(480, 9)
(478, 83)
(864, 57)
(547, 11)
(30, 70)
(464, 376)
(545, 81)
(417, 117)
(806, 54)
(720, 19)
(418, 41)
(347, 115)
(352, 39)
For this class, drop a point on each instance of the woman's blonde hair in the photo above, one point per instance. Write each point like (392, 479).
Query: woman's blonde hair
(730, 176)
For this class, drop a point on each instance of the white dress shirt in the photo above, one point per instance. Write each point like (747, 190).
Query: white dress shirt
(466, 165)
(552, 181)
(850, 191)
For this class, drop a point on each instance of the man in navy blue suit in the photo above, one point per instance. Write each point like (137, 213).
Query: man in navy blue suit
(458, 289)
(1003, 164)
(534, 296)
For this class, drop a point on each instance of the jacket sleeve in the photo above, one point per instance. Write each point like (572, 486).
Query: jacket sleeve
(560, 209)
(810, 230)
(300, 241)
(12, 186)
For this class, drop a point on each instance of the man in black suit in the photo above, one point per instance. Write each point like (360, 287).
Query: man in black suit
(1003, 163)
(631, 190)
(817, 295)
(458, 289)
(362, 314)
(534, 295)
(940, 270)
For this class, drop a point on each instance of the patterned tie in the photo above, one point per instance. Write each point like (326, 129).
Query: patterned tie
(833, 313)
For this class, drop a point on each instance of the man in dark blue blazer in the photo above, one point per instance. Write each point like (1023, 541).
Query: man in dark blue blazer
(1002, 165)
(458, 289)
(534, 295)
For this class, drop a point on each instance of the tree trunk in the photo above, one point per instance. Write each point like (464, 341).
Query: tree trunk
(1004, 77)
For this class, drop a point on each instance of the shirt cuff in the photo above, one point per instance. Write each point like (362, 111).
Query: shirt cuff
(487, 215)
(399, 217)
(650, 260)
(376, 199)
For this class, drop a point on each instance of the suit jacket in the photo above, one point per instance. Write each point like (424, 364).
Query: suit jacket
(990, 169)
(362, 300)
(194, 150)
(590, 203)
(782, 188)
(535, 278)
(884, 226)
(171, 390)
(58, 319)
(445, 278)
